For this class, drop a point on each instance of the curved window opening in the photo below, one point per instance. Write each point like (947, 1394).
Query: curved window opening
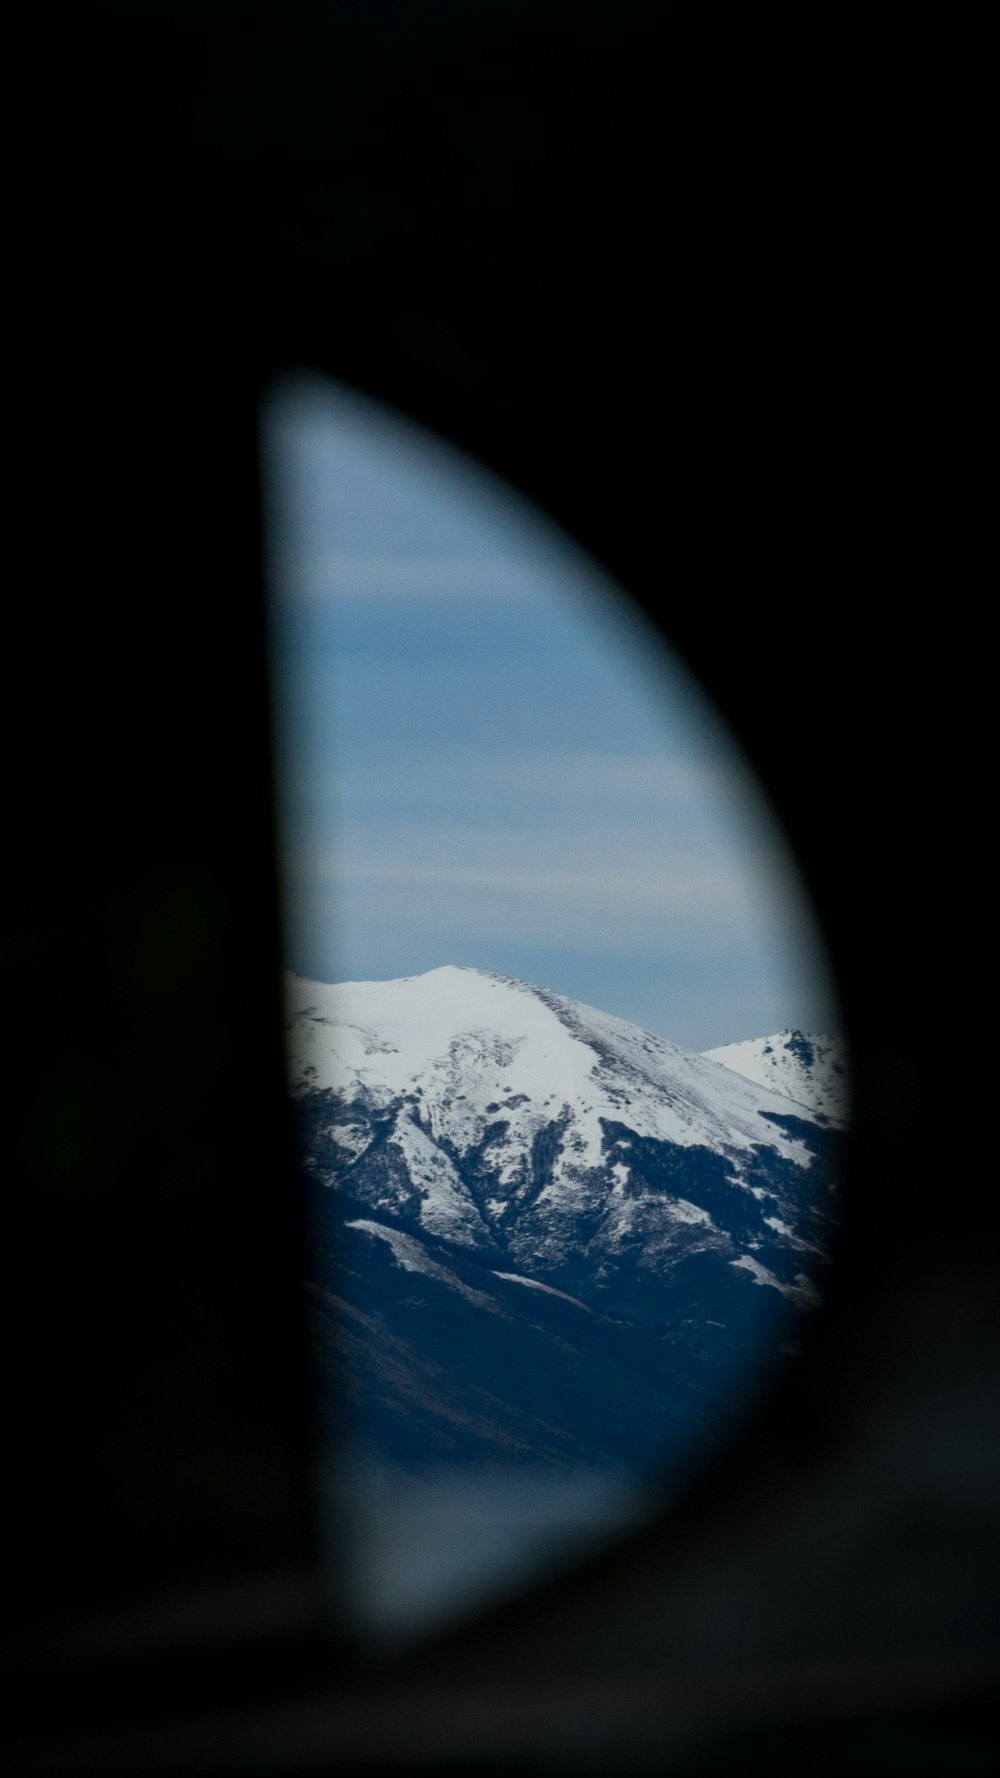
(561, 1035)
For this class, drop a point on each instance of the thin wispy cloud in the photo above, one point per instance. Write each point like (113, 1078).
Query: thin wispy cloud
(630, 882)
(354, 576)
(648, 781)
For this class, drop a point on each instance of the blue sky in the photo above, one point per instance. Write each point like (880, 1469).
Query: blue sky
(487, 757)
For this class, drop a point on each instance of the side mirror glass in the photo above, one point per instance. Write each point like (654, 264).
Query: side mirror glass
(561, 1035)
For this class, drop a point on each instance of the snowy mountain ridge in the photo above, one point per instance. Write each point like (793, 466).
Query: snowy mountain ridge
(464, 1048)
(539, 1231)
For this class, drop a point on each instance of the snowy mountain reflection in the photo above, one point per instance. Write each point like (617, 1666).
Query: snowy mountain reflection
(570, 1129)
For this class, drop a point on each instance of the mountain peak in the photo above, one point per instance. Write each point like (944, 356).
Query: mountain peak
(811, 1070)
(527, 1197)
(470, 1045)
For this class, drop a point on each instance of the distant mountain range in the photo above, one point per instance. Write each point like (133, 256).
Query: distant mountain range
(542, 1236)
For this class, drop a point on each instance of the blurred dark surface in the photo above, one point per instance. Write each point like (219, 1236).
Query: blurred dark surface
(675, 272)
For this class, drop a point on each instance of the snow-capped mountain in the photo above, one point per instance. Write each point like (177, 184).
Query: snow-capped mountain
(810, 1070)
(539, 1232)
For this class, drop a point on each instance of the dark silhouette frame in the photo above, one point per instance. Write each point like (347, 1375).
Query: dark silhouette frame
(635, 261)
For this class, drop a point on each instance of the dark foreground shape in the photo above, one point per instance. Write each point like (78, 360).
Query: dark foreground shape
(671, 271)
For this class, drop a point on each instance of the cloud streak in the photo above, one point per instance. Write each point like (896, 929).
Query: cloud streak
(336, 576)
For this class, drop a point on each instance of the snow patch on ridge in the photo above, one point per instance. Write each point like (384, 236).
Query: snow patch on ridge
(534, 1284)
(761, 1275)
(446, 1207)
(681, 1211)
(803, 1291)
(408, 1253)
